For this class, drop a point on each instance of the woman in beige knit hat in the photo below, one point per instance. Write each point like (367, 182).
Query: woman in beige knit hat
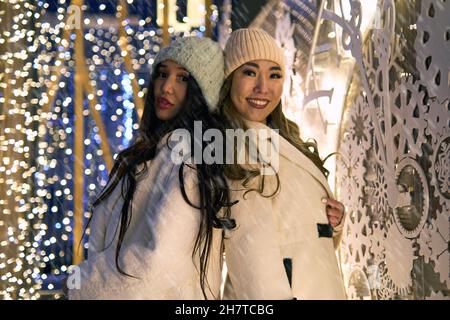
(155, 229)
(283, 245)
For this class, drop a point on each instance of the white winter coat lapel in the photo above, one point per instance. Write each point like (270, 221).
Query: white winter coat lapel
(292, 154)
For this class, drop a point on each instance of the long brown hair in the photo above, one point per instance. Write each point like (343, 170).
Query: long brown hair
(212, 185)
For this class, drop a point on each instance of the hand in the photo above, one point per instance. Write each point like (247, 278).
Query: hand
(335, 211)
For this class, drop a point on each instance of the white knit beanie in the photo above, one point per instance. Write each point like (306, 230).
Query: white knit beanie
(203, 58)
(249, 44)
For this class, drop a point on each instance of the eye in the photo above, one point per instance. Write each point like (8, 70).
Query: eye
(249, 72)
(183, 78)
(276, 76)
(161, 74)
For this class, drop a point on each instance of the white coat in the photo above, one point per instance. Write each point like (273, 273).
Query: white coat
(158, 244)
(284, 226)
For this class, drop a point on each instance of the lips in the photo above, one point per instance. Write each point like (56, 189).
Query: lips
(163, 103)
(258, 103)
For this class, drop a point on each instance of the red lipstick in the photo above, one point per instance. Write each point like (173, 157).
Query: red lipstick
(163, 103)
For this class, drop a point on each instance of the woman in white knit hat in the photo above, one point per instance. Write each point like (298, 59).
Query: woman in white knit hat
(282, 246)
(155, 230)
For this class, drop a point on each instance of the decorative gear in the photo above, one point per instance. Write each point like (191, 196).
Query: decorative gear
(437, 296)
(399, 255)
(434, 243)
(439, 130)
(440, 171)
(440, 240)
(414, 201)
(424, 242)
(433, 47)
(373, 237)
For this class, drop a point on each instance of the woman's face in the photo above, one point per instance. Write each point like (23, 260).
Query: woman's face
(170, 89)
(256, 89)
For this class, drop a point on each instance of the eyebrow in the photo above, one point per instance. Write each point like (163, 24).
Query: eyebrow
(251, 64)
(162, 65)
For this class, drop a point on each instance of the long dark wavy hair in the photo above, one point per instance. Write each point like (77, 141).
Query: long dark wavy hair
(288, 129)
(212, 185)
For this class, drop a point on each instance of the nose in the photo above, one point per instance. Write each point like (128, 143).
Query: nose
(167, 85)
(262, 84)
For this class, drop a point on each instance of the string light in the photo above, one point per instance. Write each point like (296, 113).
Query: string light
(37, 152)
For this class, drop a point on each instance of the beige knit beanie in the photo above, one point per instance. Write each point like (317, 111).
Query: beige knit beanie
(245, 45)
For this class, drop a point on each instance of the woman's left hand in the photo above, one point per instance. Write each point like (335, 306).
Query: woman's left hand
(335, 211)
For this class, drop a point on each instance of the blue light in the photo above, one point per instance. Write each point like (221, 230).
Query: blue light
(127, 120)
(126, 83)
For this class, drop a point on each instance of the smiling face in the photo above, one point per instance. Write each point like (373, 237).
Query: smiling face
(256, 89)
(170, 87)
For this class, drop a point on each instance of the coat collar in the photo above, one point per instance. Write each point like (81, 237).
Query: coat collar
(291, 153)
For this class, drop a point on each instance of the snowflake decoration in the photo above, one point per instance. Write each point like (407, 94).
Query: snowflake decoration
(377, 239)
(433, 47)
(361, 126)
(350, 170)
(439, 129)
(356, 241)
(376, 193)
(409, 113)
